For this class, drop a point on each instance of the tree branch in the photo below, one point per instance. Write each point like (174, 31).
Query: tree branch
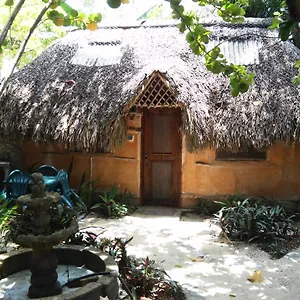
(10, 21)
(23, 46)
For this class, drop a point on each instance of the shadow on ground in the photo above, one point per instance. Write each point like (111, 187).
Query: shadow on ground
(178, 246)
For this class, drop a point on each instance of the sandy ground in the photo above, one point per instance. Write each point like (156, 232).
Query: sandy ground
(174, 241)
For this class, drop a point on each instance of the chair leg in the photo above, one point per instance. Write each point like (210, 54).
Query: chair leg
(78, 200)
(66, 201)
(3, 195)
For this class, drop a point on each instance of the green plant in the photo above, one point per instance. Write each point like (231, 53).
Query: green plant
(61, 216)
(126, 197)
(7, 212)
(107, 201)
(147, 280)
(141, 276)
(253, 220)
(260, 8)
(87, 191)
(82, 180)
(114, 204)
(117, 248)
(201, 208)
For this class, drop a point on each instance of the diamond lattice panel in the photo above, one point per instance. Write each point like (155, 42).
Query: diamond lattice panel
(157, 94)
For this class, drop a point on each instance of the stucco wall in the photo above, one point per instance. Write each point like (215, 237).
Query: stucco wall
(277, 177)
(202, 175)
(120, 168)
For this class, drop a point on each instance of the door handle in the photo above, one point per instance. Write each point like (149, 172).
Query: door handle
(146, 156)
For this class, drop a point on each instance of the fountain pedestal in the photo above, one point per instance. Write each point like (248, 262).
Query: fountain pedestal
(43, 274)
(35, 229)
(43, 260)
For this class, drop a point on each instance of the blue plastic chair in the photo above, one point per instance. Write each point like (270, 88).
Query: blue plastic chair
(50, 176)
(17, 184)
(47, 170)
(3, 192)
(69, 196)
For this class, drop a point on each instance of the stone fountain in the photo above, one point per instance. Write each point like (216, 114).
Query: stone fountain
(35, 231)
(43, 259)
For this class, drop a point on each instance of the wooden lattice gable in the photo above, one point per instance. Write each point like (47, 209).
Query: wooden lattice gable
(156, 92)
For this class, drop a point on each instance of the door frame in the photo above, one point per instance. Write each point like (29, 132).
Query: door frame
(142, 161)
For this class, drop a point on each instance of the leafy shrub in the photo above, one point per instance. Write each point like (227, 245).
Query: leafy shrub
(151, 282)
(201, 208)
(114, 204)
(7, 211)
(141, 276)
(252, 220)
(126, 198)
(87, 191)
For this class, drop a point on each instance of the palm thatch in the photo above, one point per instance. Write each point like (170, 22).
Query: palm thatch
(80, 89)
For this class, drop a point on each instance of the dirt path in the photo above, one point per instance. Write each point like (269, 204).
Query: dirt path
(173, 242)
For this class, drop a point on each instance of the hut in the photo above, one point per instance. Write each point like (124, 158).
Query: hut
(138, 109)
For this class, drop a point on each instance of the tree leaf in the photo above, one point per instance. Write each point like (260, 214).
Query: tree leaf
(9, 2)
(73, 13)
(52, 14)
(297, 64)
(66, 7)
(114, 3)
(285, 29)
(95, 17)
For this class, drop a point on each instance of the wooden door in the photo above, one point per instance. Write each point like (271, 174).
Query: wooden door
(161, 163)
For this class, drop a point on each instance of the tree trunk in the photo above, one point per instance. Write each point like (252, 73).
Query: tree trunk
(294, 9)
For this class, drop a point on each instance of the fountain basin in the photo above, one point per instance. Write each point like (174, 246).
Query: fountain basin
(92, 258)
(42, 241)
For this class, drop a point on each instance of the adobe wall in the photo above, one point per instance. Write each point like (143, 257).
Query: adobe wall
(202, 175)
(207, 178)
(121, 168)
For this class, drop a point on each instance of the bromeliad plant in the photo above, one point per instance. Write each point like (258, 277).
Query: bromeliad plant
(252, 220)
(151, 282)
(114, 204)
(87, 191)
(108, 202)
(141, 276)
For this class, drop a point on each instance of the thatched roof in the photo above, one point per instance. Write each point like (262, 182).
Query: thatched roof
(80, 89)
